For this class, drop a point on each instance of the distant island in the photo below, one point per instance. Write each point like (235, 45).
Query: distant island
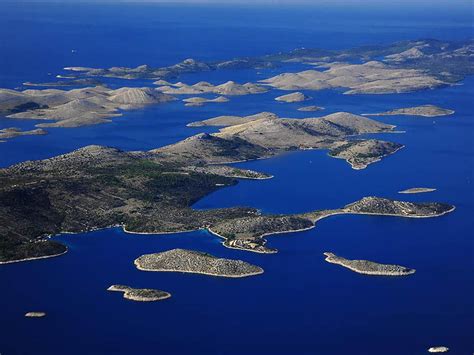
(395, 67)
(424, 111)
(223, 121)
(438, 349)
(293, 97)
(203, 87)
(12, 132)
(417, 190)
(369, 267)
(35, 314)
(78, 107)
(189, 261)
(200, 101)
(311, 108)
(140, 294)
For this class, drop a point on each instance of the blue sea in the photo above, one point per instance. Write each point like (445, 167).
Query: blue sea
(301, 304)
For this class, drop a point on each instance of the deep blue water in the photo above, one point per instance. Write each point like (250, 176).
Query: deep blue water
(301, 304)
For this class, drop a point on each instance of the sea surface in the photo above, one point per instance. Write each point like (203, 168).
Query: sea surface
(301, 304)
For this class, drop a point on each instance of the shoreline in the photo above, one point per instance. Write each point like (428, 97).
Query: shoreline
(200, 273)
(34, 258)
(122, 226)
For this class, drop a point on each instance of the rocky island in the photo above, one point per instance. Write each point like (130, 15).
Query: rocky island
(438, 349)
(140, 294)
(417, 190)
(311, 108)
(369, 267)
(77, 107)
(424, 111)
(223, 121)
(293, 97)
(372, 77)
(189, 261)
(203, 87)
(12, 132)
(200, 101)
(417, 63)
(35, 314)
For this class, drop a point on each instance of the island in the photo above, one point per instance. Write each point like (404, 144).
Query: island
(140, 294)
(422, 64)
(222, 121)
(394, 68)
(373, 77)
(311, 108)
(438, 349)
(200, 101)
(417, 190)
(293, 97)
(153, 191)
(369, 267)
(77, 107)
(203, 87)
(424, 111)
(35, 314)
(189, 261)
(12, 132)
(66, 82)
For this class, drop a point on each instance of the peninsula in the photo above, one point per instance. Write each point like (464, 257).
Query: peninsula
(369, 267)
(140, 294)
(189, 261)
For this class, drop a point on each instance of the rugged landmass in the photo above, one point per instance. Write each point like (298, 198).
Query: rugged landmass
(203, 87)
(417, 190)
(78, 107)
(181, 260)
(12, 132)
(424, 111)
(222, 121)
(66, 82)
(311, 108)
(269, 135)
(35, 314)
(360, 153)
(369, 267)
(152, 192)
(140, 294)
(373, 77)
(248, 232)
(443, 60)
(438, 349)
(293, 97)
(200, 101)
